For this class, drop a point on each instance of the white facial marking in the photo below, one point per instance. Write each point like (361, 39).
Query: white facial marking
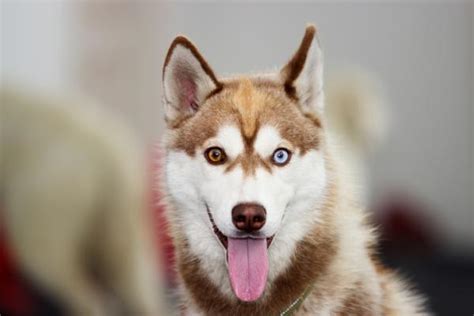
(268, 139)
(229, 139)
(290, 194)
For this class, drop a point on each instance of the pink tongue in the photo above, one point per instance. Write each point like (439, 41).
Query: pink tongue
(248, 267)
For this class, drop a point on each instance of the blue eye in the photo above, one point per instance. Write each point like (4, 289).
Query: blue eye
(281, 156)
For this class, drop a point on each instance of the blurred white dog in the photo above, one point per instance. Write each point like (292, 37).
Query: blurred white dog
(73, 200)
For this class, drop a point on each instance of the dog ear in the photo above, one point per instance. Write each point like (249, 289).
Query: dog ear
(187, 79)
(302, 76)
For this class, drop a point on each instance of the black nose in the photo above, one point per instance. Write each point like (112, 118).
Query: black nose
(249, 217)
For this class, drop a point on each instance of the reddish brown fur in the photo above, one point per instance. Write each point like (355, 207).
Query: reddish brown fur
(248, 104)
(294, 67)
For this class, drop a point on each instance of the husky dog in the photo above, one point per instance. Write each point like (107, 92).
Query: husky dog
(72, 200)
(262, 221)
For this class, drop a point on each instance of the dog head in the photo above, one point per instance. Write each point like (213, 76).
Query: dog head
(245, 163)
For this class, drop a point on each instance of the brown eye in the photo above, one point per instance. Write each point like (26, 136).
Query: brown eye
(215, 155)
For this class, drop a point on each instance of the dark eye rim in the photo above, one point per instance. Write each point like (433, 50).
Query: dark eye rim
(284, 163)
(220, 162)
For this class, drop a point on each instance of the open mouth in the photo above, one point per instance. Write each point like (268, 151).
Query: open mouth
(247, 263)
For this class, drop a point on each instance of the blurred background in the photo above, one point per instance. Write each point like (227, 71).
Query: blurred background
(419, 55)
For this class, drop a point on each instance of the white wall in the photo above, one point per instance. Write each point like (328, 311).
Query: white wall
(34, 42)
(472, 114)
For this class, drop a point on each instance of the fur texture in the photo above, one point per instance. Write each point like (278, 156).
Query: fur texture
(321, 238)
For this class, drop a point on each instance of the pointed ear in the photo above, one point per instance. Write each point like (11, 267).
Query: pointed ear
(187, 79)
(302, 75)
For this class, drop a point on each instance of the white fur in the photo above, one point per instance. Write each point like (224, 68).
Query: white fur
(228, 138)
(268, 139)
(288, 194)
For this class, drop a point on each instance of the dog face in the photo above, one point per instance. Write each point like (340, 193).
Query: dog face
(244, 163)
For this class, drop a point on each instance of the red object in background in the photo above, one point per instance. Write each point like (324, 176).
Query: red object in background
(165, 245)
(15, 298)
(405, 226)
(163, 240)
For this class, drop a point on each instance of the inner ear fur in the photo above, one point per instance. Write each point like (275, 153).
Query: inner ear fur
(186, 43)
(187, 79)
